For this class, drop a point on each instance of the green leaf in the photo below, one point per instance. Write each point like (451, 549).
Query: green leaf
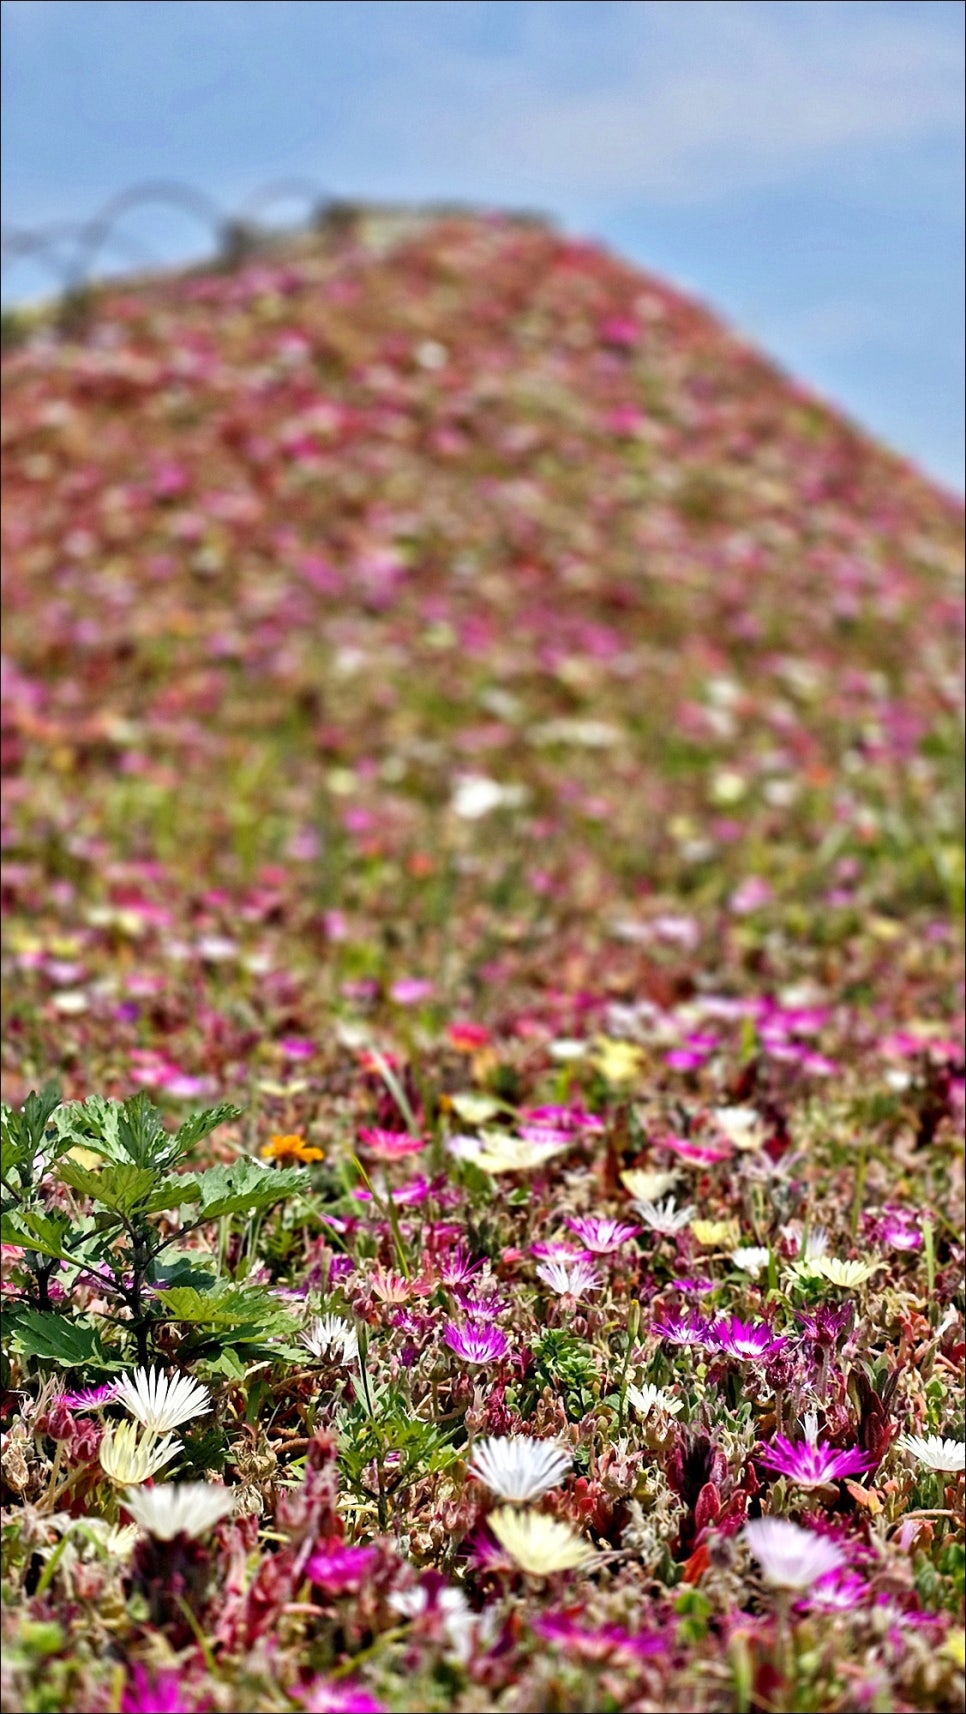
(23, 1133)
(42, 1333)
(200, 1125)
(244, 1187)
(122, 1188)
(44, 1233)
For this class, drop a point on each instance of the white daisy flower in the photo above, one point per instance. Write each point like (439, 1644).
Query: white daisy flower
(518, 1467)
(647, 1399)
(665, 1217)
(179, 1508)
(161, 1403)
(129, 1455)
(332, 1337)
(791, 1558)
(933, 1451)
(569, 1279)
(539, 1544)
(751, 1258)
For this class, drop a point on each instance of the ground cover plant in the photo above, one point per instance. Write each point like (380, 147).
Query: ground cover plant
(482, 1164)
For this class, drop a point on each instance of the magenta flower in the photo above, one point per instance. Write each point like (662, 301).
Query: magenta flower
(812, 1463)
(747, 1340)
(92, 1398)
(683, 1329)
(602, 1236)
(456, 1267)
(838, 1591)
(158, 1695)
(336, 1568)
(575, 1639)
(476, 1344)
(699, 1154)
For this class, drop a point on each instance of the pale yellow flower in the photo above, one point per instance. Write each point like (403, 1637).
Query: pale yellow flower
(128, 1454)
(539, 1544)
(716, 1234)
(618, 1061)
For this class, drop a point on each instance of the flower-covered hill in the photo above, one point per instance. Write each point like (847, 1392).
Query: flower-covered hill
(471, 714)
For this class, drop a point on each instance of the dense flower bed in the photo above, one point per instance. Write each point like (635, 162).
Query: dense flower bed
(483, 925)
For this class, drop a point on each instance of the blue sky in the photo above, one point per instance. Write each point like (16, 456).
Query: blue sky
(798, 166)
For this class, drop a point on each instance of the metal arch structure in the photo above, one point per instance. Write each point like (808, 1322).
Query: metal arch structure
(232, 236)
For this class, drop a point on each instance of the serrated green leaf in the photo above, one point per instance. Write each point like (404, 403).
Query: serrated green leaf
(122, 1188)
(43, 1333)
(244, 1187)
(43, 1233)
(200, 1125)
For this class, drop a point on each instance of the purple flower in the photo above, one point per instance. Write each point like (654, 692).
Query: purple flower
(575, 1639)
(748, 1340)
(812, 1463)
(476, 1344)
(683, 1329)
(602, 1236)
(827, 1323)
(336, 1568)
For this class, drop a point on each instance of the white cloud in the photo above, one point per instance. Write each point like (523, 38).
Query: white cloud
(682, 101)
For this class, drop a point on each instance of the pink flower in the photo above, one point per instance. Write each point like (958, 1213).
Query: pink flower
(602, 1236)
(91, 1398)
(390, 1145)
(476, 1344)
(700, 1154)
(336, 1568)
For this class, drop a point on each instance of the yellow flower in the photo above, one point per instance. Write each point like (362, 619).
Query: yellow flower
(129, 1455)
(648, 1186)
(539, 1544)
(290, 1148)
(716, 1234)
(618, 1061)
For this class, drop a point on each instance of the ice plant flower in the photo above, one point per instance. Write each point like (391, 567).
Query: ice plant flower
(601, 1236)
(158, 1695)
(696, 1154)
(331, 1337)
(343, 1698)
(811, 1463)
(539, 1544)
(389, 1145)
(498, 1152)
(337, 1568)
(745, 1339)
(476, 1344)
(647, 1399)
(290, 1147)
(518, 1467)
(179, 1508)
(664, 1217)
(715, 1234)
(683, 1329)
(90, 1398)
(569, 1279)
(741, 1126)
(648, 1186)
(847, 1275)
(790, 1557)
(935, 1452)
(161, 1403)
(128, 1455)
(751, 1258)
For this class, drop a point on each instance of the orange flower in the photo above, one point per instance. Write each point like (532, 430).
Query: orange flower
(290, 1148)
